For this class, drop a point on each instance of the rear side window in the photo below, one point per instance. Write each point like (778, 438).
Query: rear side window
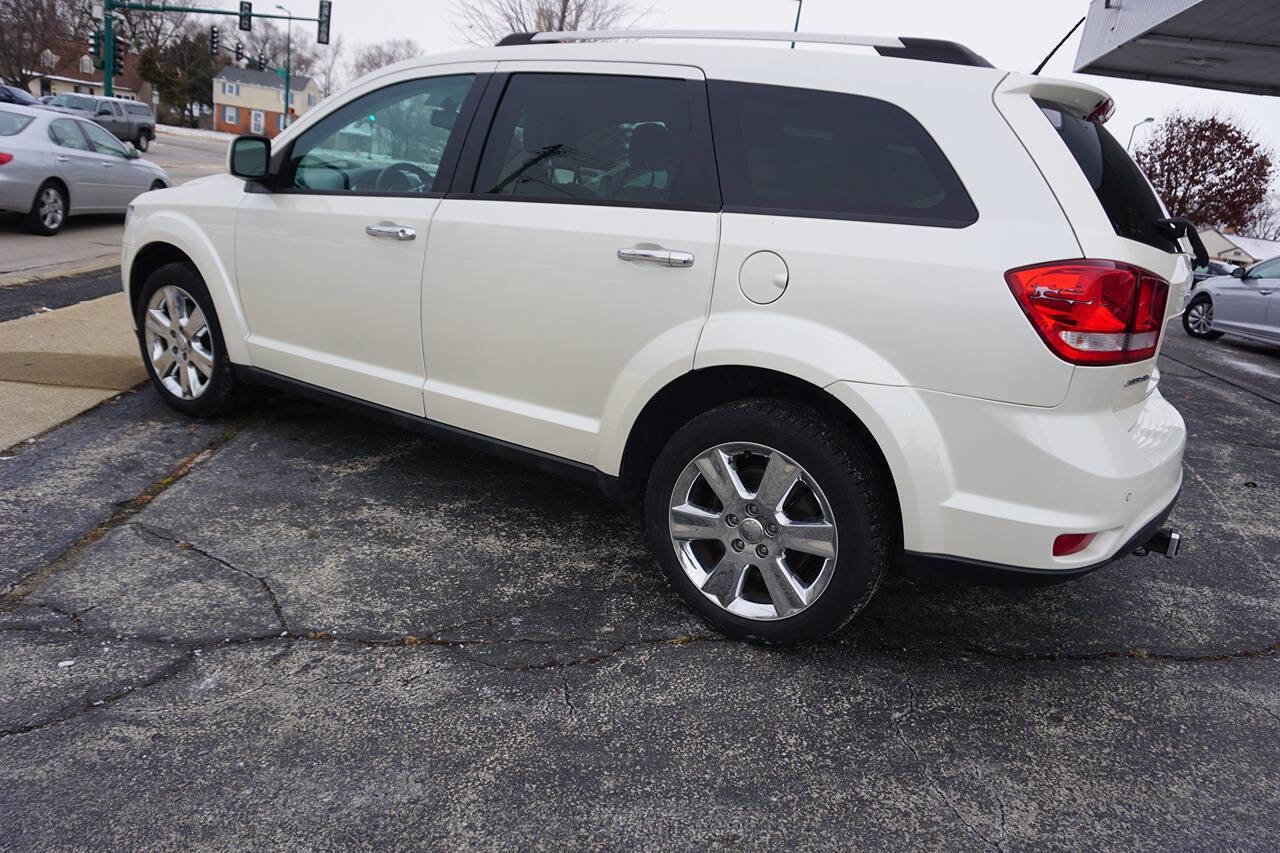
(138, 109)
(12, 123)
(596, 138)
(1122, 189)
(803, 152)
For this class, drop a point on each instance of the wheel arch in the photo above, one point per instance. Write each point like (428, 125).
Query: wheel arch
(174, 239)
(62, 185)
(698, 391)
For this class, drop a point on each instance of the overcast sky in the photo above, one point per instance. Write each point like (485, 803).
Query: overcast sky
(1012, 34)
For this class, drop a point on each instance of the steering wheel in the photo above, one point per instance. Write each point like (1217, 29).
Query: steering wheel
(395, 178)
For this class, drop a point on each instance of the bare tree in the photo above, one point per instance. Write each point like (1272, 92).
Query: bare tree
(268, 41)
(27, 28)
(1208, 169)
(485, 22)
(1266, 220)
(371, 57)
(328, 66)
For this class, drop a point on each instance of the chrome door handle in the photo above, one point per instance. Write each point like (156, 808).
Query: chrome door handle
(1266, 292)
(666, 257)
(390, 231)
(62, 159)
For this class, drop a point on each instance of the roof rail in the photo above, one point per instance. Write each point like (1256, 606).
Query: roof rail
(927, 50)
(717, 35)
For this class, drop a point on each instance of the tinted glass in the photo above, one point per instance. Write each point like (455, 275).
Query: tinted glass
(593, 137)
(19, 96)
(102, 141)
(138, 109)
(12, 123)
(391, 140)
(66, 132)
(824, 154)
(1266, 269)
(1130, 203)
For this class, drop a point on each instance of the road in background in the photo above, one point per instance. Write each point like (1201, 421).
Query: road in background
(93, 242)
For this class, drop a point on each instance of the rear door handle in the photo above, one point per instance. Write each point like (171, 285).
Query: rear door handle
(1266, 292)
(666, 257)
(62, 159)
(390, 231)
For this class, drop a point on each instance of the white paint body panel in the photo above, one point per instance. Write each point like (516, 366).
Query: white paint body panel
(515, 319)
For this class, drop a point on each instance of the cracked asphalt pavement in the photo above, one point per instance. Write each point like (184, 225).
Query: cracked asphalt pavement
(298, 628)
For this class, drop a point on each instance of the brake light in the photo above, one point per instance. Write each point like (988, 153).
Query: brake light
(1103, 111)
(5, 158)
(1071, 543)
(1093, 312)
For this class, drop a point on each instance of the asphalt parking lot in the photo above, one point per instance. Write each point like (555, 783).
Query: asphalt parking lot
(300, 628)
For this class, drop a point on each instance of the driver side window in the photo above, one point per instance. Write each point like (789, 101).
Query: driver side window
(1270, 269)
(389, 141)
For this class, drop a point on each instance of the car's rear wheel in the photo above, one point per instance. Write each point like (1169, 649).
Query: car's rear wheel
(773, 523)
(142, 142)
(49, 210)
(182, 344)
(1197, 320)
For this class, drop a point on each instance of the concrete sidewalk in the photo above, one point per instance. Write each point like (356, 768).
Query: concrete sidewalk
(57, 364)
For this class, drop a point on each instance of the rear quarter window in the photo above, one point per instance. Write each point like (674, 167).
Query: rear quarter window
(1123, 191)
(804, 152)
(12, 124)
(138, 109)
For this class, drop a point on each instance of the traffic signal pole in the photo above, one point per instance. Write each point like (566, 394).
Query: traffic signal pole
(108, 38)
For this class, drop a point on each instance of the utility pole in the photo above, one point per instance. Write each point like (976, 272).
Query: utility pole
(108, 51)
(288, 61)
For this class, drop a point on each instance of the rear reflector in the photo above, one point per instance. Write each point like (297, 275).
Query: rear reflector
(1071, 543)
(1093, 312)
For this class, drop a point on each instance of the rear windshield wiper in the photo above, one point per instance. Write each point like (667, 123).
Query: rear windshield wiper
(1175, 227)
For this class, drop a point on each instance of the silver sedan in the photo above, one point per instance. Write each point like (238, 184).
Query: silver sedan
(1245, 303)
(53, 165)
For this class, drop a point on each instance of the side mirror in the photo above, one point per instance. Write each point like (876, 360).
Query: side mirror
(1238, 272)
(132, 153)
(249, 157)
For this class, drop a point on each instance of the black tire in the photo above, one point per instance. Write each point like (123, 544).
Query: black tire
(851, 476)
(1200, 301)
(225, 393)
(142, 142)
(157, 185)
(35, 221)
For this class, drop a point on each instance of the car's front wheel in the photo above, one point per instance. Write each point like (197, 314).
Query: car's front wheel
(771, 521)
(182, 344)
(1197, 320)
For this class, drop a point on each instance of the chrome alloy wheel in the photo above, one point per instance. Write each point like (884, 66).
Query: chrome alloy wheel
(51, 209)
(753, 531)
(179, 342)
(1200, 317)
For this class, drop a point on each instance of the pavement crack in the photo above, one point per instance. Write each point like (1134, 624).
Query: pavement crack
(124, 511)
(189, 546)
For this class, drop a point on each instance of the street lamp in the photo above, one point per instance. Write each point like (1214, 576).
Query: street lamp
(1146, 120)
(288, 61)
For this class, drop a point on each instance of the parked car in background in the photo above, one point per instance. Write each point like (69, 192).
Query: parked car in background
(54, 165)
(130, 121)
(1246, 303)
(16, 95)
(1210, 270)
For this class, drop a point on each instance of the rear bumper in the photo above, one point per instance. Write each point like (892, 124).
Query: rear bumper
(943, 567)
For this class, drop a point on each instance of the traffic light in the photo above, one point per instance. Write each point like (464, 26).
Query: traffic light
(239, 51)
(262, 61)
(117, 56)
(246, 16)
(322, 22)
(95, 43)
(214, 38)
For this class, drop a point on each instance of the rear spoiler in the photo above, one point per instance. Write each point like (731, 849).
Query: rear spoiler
(1078, 99)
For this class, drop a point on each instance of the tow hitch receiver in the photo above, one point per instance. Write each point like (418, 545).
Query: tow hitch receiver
(1164, 541)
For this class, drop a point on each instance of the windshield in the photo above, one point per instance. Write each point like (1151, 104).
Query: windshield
(12, 123)
(75, 102)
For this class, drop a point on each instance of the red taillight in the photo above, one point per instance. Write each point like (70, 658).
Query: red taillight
(1103, 111)
(5, 158)
(1071, 543)
(1093, 312)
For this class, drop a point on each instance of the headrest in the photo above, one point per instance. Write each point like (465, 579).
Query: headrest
(650, 148)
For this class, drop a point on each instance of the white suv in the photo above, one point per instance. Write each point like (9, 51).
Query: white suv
(827, 313)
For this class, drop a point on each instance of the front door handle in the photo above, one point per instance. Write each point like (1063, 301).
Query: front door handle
(62, 159)
(666, 257)
(1266, 292)
(390, 231)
